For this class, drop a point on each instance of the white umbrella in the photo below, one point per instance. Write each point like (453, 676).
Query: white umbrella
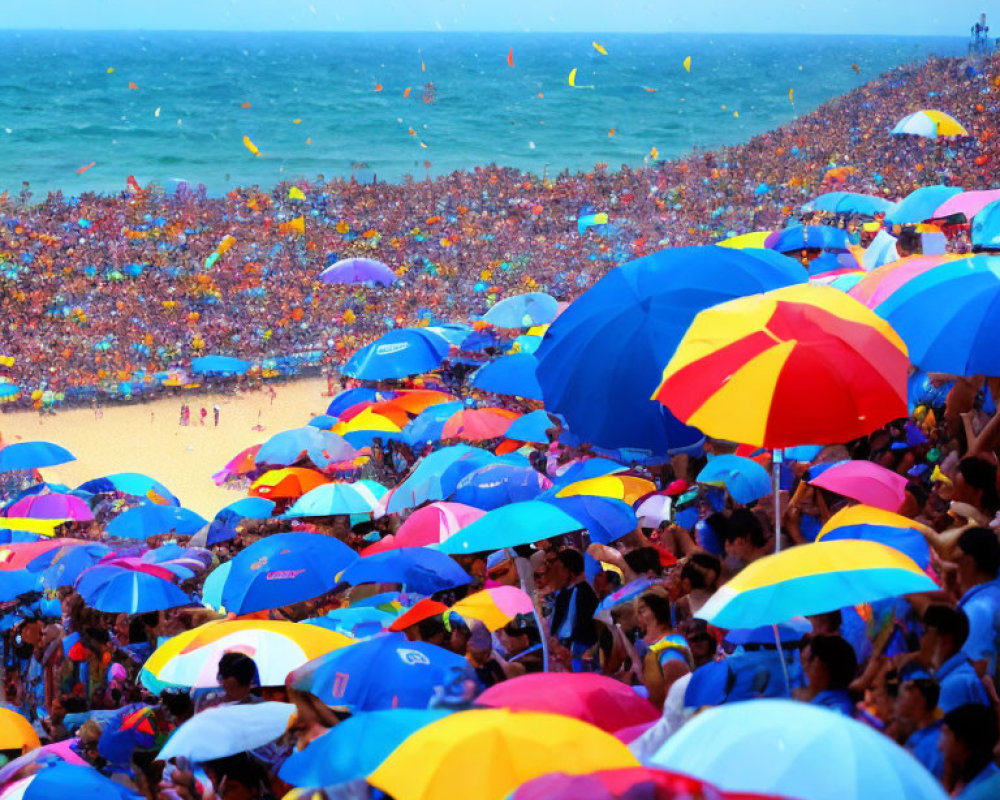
(228, 730)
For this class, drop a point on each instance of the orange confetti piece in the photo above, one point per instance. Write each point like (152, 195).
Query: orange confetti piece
(85, 167)
(244, 105)
(510, 58)
(423, 145)
(650, 89)
(296, 121)
(378, 87)
(309, 140)
(612, 132)
(407, 90)
(412, 132)
(540, 95)
(132, 85)
(423, 67)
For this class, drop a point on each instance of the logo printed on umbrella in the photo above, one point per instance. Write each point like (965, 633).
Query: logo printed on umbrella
(412, 656)
(340, 684)
(284, 574)
(389, 349)
(259, 563)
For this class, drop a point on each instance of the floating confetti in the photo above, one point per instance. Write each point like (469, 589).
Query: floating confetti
(540, 95)
(654, 153)
(244, 105)
(687, 64)
(309, 140)
(157, 112)
(791, 96)
(423, 145)
(85, 167)
(407, 90)
(856, 68)
(572, 77)
(132, 85)
(611, 132)
(378, 87)
(423, 67)
(510, 57)
(296, 121)
(649, 89)
(599, 48)
(736, 113)
(249, 145)
(110, 70)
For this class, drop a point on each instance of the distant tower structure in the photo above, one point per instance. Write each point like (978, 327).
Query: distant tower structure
(980, 32)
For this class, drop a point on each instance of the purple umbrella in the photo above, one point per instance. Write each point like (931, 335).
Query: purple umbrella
(51, 506)
(358, 270)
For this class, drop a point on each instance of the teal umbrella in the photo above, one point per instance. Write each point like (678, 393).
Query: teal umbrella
(509, 526)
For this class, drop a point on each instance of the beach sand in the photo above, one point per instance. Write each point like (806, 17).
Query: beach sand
(146, 437)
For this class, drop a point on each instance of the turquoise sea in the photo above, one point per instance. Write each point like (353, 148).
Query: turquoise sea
(66, 101)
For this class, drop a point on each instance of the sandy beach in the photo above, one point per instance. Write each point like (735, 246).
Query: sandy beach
(146, 437)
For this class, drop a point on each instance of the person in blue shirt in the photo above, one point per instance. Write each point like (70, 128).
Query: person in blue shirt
(978, 564)
(829, 664)
(946, 630)
(917, 706)
(968, 735)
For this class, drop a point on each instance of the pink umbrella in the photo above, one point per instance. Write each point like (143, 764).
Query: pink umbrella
(880, 283)
(865, 482)
(431, 524)
(47, 753)
(968, 203)
(51, 506)
(587, 696)
(478, 424)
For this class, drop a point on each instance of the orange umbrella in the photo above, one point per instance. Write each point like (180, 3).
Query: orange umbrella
(413, 401)
(478, 424)
(289, 483)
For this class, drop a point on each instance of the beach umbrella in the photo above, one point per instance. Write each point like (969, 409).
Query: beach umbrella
(336, 498)
(69, 562)
(631, 783)
(604, 518)
(323, 421)
(380, 673)
(16, 733)
(227, 730)
(754, 240)
(615, 338)
(628, 488)
(864, 481)
(523, 311)
(135, 727)
(929, 123)
(415, 401)
(509, 526)
(478, 424)
(146, 520)
(531, 427)
(131, 483)
(286, 484)
(355, 747)
(45, 756)
(422, 767)
(358, 623)
(968, 204)
(511, 375)
(33, 455)
(584, 468)
(813, 579)
(743, 478)
(746, 369)
(435, 476)
(51, 506)
(117, 589)
(219, 365)
(880, 284)
(352, 397)
(191, 659)
(625, 594)
(35, 555)
(418, 569)
(595, 699)
(320, 447)
(282, 569)
(224, 524)
(848, 203)
(880, 251)
(808, 237)
(429, 525)
(495, 607)
(454, 332)
(796, 750)
(920, 204)
(15, 584)
(359, 270)
(877, 525)
(654, 510)
(398, 354)
(241, 464)
(986, 227)
(495, 485)
(428, 424)
(67, 782)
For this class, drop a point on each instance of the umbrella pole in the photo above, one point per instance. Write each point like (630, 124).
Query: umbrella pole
(781, 656)
(776, 482)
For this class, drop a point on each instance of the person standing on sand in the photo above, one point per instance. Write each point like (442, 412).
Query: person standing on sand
(204, 414)
(215, 414)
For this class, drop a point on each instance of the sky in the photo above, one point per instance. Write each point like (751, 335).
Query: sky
(902, 17)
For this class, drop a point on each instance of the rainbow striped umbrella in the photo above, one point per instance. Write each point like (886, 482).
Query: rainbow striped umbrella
(877, 525)
(813, 579)
(794, 366)
(495, 607)
(882, 282)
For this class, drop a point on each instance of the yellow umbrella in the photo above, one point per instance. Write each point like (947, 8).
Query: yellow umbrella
(43, 527)
(486, 754)
(754, 240)
(620, 487)
(16, 732)
(367, 420)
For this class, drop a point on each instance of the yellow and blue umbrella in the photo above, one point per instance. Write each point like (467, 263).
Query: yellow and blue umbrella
(878, 525)
(929, 123)
(813, 579)
(628, 488)
(752, 241)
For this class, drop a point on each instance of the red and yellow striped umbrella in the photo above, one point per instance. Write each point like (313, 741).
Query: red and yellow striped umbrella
(794, 366)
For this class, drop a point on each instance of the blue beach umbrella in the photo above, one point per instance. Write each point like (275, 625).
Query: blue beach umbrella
(511, 375)
(531, 427)
(744, 479)
(920, 204)
(398, 354)
(498, 484)
(588, 468)
(419, 569)
(523, 311)
(33, 455)
(351, 397)
(223, 526)
(219, 365)
(454, 332)
(323, 421)
(148, 520)
(282, 569)
(70, 562)
(509, 526)
(605, 518)
(64, 781)
(436, 476)
(615, 339)
(359, 270)
(881, 251)
(356, 747)
(320, 447)
(428, 425)
(808, 237)
(848, 203)
(986, 227)
(18, 582)
(356, 622)
(132, 483)
(118, 590)
(380, 673)
(334, 498)
(215, 582)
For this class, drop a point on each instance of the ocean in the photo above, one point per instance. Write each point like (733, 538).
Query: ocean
(173, 107)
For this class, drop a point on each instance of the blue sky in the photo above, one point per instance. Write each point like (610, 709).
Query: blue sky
(905, 17)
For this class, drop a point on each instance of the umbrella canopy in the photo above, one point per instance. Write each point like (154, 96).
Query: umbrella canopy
(532, 427)
(32, 555)
(69, 562)
(808, 237)
(67, 782)
(118, 589)
(604, 518)
(948, 316)
(358, 623)
(920, 204)
(16, 732)
(619, 784)
(596, 699)
(132, 483)
(414, 401)
(33, 455)
(813, 579)
(523, 311)
(478, 424)
(848, 203)
(495, 607)
(864, 481)
(624, 329)
(967, 203)
(747, 368)
(754, 240)
(744, 478)
(51, 506)
(224, 524)
(380, 673)
(533, 744)
(428, 424)
(509, 526)
(241, 464)
(359, 270)
(228, 730)
(191, 659)
(986, 227)
(320, 447)
(512, 375)
(148, 520)
(136, 727)
(418, 569)
(880, 251)
(336, 498)
(282, 569)
(286, 484)
(625, 594)
(628, 488)
(876, 525)
(219, 365)
(397, 354)
(431, 524)
(796, 750)
(495, 485)
(880, 284)
(352, 397)
(435, 476)
(929, 123)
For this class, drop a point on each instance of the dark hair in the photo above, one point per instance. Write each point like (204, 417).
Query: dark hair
(572, 560)
(522, 625)
(948, 620)
(929, 689)
(909, 240)
(178, 703)
(744, 524)
(719, 524)
(137, 631)
(644, 559)
(975, 726)
(984, 547)
(659, 604)
(838, 656)
(241, 768)
(694, 571)
(981, 475)
(239, 667)
(832, 619)
(919, 492)
(430, 627)
(73, 704)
